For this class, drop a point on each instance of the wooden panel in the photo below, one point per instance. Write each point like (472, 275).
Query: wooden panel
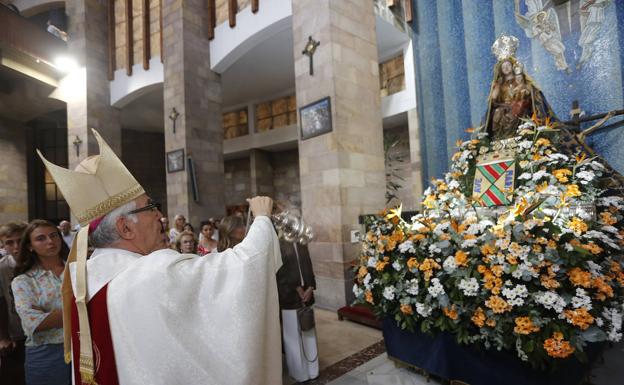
(280, 120)
(264, 124)
(279, 106)
(263, 110)
(254, 6)
(146, 34)
(409, 12)
(232, 9)
(212, 18)
(111, 40)
(129, 38)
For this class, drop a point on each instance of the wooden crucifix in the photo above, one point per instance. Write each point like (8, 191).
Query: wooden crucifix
(309, 50)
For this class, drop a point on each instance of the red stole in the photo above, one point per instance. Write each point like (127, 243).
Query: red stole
(103, 354)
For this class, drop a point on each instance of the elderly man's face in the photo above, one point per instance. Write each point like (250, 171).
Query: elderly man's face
(65, 227)
(149, 232)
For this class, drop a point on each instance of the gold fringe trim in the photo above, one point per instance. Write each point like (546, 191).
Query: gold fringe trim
(108, 205)
(87, 378)
(68, 357)
(87, 372)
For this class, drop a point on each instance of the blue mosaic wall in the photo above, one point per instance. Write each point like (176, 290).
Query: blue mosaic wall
(454, 67)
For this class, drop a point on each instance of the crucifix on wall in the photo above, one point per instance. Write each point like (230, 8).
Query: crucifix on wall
(309, 50)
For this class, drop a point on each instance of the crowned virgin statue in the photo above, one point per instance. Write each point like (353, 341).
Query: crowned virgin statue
(513, 94)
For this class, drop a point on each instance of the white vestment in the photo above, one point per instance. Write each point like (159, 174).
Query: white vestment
(183, 319)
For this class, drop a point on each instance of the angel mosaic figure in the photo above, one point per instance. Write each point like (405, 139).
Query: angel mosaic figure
(592, 18)
(543, 25)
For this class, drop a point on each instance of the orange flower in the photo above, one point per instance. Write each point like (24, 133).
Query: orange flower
(541, 187)
(607, 218)
(562, 174)
(548, 280)
(572, 191)
(452, 313)
(488, 249)
(580, 277)
(551, 244)
(362, 273)
(604, 290)
(369, 297)
(417, 237)
(578, 225)
(542, 142)
(412, 264)
(407, 309)
(380, 265)
(491, 322)
(511, 259)
(427, 267)
(592, 248)
(557, 347)
(478, 318)
(461, 258)
(579, 317)
(525, 326)
(581, 157)
(497, 304)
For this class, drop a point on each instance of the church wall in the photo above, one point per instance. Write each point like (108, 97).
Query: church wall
(13, 172)
(454, 67)
(286, 184)
(237, 181)
(142, 152)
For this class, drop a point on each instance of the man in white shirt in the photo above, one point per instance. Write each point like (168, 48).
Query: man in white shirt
(67, 233)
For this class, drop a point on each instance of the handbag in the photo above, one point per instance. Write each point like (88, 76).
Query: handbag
(305, 316)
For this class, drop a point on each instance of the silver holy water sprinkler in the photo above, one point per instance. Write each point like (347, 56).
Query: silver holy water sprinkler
(292, 228)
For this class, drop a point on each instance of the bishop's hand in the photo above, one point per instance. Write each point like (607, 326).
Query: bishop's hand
(261, 206)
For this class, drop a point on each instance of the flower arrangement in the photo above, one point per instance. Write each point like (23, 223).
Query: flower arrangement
(543, 277)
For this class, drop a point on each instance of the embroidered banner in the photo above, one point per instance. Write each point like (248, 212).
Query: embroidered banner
(494, 180)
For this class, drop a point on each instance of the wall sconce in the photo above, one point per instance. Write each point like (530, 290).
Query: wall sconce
(77, 142)
(309, 50)
(173, 115)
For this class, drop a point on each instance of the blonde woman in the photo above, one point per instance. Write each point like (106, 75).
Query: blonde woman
(231, 232)
(186, 243)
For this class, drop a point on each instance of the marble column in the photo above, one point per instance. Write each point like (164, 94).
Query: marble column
(86, 89)
(342, 172)
(195, 92)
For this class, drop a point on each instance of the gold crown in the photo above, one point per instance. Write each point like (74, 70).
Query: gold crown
(99, 184)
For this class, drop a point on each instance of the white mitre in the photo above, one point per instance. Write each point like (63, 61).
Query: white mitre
(98, 185)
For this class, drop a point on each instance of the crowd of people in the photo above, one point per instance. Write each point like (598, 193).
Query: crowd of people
(32, 262)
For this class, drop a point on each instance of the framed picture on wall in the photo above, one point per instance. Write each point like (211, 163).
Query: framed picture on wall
(175, 160)
(315, 118)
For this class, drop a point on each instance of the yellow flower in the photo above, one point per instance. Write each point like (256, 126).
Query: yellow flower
(578, 225)
(407, 309)
(369, 297)
(381, 265)
(541, 187)
(562, 174)
(542, 142)
(488, 249)
(362, 272)
(395, 213)
(490, 322)
(525, 326)
(592, 248)
(520, 207)
(427, 267)
(580, 158)
(580, 277)
(572, 191)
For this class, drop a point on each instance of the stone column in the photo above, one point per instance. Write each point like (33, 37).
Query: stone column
(195, 92)
(13, 172)
(261, 173)
(86, 90)
(342, 172)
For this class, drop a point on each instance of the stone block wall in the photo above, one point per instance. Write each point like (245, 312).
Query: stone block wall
(142, 153)
(13, 172)
(286, 182)
(237, 181)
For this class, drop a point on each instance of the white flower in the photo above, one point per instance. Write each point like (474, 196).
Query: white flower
(599, 322)
(581, 299)
(423, 309)
(407, 246)
(468, 243)
(388, 292)
(585, 176)
(357, 291)
(396, 265)
(367, 281)
(449, 264)
(470, 287)
(558, 157)
(539, 175)
(453, 184)
(525, 175)
(435, 289)
(412, 286)
(434, 249)
(525, 144)
(372, 262)
(550, 300)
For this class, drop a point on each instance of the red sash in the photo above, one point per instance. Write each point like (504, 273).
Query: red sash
(103, 354)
